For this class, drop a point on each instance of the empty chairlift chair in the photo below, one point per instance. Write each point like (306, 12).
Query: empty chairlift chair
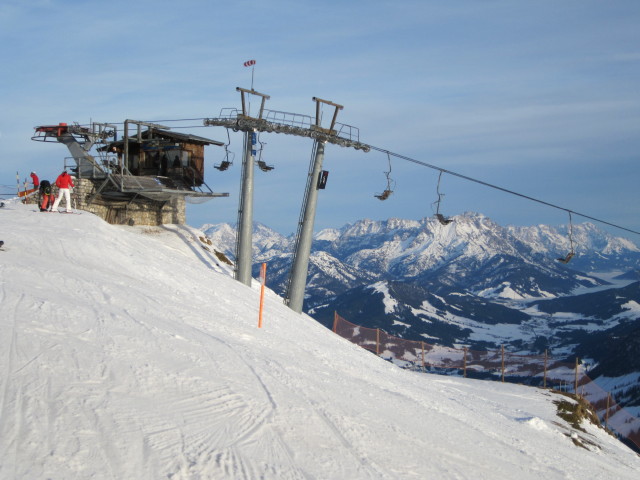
(388, 191)
(571, 254)
(441, 218)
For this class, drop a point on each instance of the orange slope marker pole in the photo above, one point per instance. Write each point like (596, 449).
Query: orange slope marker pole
(263, 280)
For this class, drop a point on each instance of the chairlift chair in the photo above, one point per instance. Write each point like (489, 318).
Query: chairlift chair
(566, 259)
(384, 195)
(228, 156)
(222, 166)
(263, 166)
(441, 218)
(388, 191)
(571, 254)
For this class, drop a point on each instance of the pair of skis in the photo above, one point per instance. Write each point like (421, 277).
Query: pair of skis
(58, 211)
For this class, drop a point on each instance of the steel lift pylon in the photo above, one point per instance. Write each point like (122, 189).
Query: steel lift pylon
(297, 283)
(291, 124)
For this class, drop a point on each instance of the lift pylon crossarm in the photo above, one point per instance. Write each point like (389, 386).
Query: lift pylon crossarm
(333, 119)
(250, 124)
(252, 92)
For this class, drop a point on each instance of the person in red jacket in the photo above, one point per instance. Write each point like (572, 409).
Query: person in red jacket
(64, 183)
(35, 180)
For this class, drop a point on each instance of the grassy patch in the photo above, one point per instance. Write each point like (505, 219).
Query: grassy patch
(574, 411)
(223, 258)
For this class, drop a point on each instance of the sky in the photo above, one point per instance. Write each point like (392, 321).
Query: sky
(540, 98)
(130, 352)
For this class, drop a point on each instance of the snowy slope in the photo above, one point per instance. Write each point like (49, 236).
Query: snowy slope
(129, 353)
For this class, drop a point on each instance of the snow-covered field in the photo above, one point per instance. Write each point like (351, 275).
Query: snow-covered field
(131, 353)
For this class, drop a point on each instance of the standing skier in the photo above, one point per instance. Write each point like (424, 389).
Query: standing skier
(35, 180)
(64, 183)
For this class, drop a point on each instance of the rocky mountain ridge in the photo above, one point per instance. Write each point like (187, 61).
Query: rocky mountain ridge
(473, 253)
(472, 282)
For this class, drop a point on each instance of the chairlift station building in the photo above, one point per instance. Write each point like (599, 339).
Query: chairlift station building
(145, 178)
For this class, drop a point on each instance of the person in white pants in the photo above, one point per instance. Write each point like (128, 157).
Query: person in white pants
(64, 183)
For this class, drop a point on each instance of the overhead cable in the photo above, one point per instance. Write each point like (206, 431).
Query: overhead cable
(459, 175)
(506, 190)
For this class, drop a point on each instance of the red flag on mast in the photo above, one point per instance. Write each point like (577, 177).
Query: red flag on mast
(248, 63)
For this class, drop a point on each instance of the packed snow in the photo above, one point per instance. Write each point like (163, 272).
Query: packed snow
(131, 353)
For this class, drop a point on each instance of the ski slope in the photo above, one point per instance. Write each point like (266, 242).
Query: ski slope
(131, 353)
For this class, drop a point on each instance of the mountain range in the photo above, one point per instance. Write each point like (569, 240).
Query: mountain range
(472, 282)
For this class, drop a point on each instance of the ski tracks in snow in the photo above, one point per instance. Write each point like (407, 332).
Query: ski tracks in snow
(9, 419)
(334, 440)
(194, 414)
(249, 420)
(239, 438)
(23, 404)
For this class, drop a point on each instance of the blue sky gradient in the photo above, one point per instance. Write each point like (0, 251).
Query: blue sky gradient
(542, 98)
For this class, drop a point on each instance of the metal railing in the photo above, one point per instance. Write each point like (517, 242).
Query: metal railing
(286, 119)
